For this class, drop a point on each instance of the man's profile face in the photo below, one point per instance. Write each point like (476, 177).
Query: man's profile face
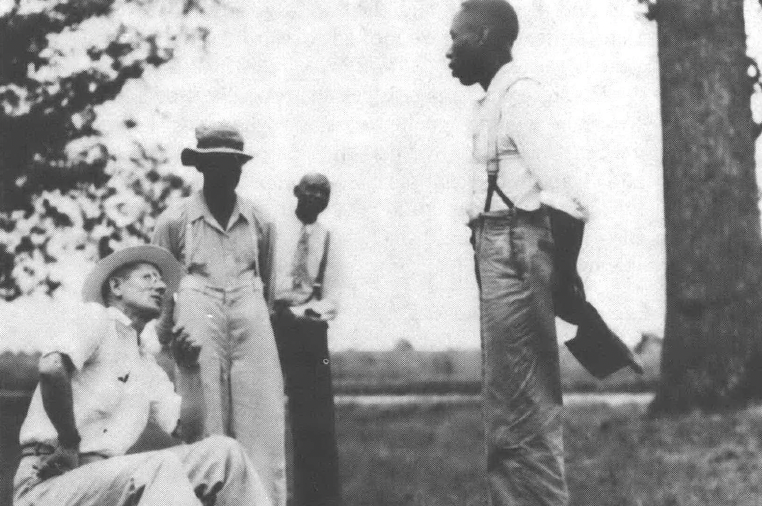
(466, 54)
(142, 290)
(220, 171)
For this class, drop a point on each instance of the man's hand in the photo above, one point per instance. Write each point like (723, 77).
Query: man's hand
(58, 462)
(312, 314)
(184, 348)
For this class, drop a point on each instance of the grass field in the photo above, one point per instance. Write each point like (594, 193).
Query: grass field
(432, 456)
(615, 457)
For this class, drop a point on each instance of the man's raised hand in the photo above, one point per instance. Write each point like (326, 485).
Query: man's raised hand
(184, 348)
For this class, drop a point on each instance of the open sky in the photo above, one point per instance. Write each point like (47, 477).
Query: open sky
(360, 90)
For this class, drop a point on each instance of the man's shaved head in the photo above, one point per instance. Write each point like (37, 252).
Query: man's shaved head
(315, 180)
(313, 193)
(499, 17)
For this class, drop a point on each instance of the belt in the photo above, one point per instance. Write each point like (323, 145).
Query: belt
(246, 280)
(40, 449)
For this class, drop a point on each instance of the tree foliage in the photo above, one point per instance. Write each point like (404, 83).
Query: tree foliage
(62, 191)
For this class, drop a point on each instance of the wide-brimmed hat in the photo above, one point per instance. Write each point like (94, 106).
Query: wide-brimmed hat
(171, 270)
(215, 139)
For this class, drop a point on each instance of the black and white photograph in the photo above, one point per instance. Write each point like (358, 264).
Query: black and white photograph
(380, 253)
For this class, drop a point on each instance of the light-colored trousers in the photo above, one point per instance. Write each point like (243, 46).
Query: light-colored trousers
(521, 373)
(240, 371)
(217, 469)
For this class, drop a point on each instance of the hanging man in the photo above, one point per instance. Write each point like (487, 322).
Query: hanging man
(226, 245)
(306, 300)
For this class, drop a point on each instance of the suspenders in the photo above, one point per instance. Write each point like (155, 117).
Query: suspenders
(317, 285)
(492, 186)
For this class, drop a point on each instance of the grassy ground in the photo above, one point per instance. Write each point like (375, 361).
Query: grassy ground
(615, 457)
(432, 456)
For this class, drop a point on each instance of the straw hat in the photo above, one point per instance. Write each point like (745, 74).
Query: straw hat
(171, 270)
(217, 139)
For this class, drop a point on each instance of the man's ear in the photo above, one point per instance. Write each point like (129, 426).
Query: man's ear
(115, 284)
(296, 191)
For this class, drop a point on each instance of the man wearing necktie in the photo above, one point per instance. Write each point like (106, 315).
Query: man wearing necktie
(306, 298)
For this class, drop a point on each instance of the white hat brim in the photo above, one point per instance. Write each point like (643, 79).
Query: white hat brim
(171, 270)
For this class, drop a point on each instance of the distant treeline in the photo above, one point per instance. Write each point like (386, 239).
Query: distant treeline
(405, 370)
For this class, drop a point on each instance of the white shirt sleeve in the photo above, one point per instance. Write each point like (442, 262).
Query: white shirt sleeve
(80, 334)
(165, 403)
(328, 305)
(533, 118)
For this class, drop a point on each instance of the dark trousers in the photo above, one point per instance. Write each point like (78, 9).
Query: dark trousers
(303, 348)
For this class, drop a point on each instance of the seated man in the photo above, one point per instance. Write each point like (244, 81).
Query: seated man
(99, 388)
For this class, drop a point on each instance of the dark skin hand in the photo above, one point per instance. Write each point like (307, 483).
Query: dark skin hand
(184, 348)
(59, 462)
(310, 315)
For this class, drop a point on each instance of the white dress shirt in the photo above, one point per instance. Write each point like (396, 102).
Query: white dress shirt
(517, 124)
(117, 386)
(289, 233)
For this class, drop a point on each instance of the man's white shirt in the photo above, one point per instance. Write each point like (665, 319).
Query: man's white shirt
(290, 231)
(518, 123)
(117, 386)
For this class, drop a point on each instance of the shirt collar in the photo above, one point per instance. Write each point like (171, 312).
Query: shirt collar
(117, 315)
(508, 73)
(198, 209)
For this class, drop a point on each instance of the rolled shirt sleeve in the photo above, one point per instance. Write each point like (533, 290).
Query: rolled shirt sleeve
(165, 234)
(80, 334)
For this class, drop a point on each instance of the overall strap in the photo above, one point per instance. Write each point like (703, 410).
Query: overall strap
(317, 286)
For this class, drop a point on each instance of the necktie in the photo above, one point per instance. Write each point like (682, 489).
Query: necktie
(302, 282)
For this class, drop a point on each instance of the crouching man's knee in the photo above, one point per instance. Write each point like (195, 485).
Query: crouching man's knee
(227, 453)
(236, 477)
(226, 448)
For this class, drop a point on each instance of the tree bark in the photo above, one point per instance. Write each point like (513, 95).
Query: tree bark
(712, 355)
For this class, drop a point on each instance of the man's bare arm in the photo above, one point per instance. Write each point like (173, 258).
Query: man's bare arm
(55, 387)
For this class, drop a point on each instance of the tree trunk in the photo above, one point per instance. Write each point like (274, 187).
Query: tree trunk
(711, 357)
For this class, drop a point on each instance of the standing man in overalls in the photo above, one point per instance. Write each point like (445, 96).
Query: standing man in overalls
(518, 158)
(306, 300)
(227, 246)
